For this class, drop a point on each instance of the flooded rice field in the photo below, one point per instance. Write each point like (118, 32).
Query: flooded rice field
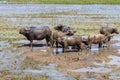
(18, 61)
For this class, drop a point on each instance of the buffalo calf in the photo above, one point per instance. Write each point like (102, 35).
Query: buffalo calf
(66, 41)
(97, 39)
(56, 35)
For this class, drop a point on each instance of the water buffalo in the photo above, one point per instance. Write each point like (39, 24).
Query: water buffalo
(98, 39)
(108, 30)
(66, 41)
(56, 35)
(36, 33)
(85, 42)
(62, 28)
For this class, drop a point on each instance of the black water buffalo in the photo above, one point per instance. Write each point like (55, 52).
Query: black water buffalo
(36, 33)
(98, 39)
(108, 30)
(56, 35)
(62, 28)
(66, 41)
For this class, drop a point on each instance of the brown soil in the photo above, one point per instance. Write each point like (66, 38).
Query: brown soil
(68, 61)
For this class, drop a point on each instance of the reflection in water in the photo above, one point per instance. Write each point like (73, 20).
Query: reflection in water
(57, 50)
(94, 48)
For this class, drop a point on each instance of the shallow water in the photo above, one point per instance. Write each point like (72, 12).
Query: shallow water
(26, 14)
(45, 8)
(4, 45)
(106, 67)
(115, 76)
(12, 58)
(48, 71)
(92, 69)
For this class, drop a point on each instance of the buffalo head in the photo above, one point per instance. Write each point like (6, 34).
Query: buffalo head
(58, 27)
(24, 30)
(115, 30)
(70, 32)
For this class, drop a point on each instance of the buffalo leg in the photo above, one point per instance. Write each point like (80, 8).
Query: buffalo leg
(90, 44)
(79, 47)
(65, 46)
(31, 44)
(47, 41)
(56, 44)
(51, 43)
(109, 39)
(100, 45)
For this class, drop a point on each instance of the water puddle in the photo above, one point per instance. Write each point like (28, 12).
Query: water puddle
(116, 37)
(49, 71)
(57, 50)
(114, 76)
(22, 41)
(115, 60)
(12, 61)
(4, 44)
(89, 79)
(116, 45)
(100, 64)
(95, 48)
(93, 69)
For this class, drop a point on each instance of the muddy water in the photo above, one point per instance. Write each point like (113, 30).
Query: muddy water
(19, 15)
(111, 66)
(11, 59)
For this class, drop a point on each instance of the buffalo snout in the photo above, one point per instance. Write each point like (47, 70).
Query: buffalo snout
(117, 32)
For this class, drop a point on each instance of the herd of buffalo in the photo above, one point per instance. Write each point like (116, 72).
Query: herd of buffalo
(65, 36)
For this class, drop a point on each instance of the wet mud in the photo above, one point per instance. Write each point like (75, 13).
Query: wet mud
(19, 61)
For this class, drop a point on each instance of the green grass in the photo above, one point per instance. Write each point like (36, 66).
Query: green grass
(67, 1)
(10, 33)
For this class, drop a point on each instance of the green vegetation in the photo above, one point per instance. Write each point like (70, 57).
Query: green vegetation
(67, 1)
